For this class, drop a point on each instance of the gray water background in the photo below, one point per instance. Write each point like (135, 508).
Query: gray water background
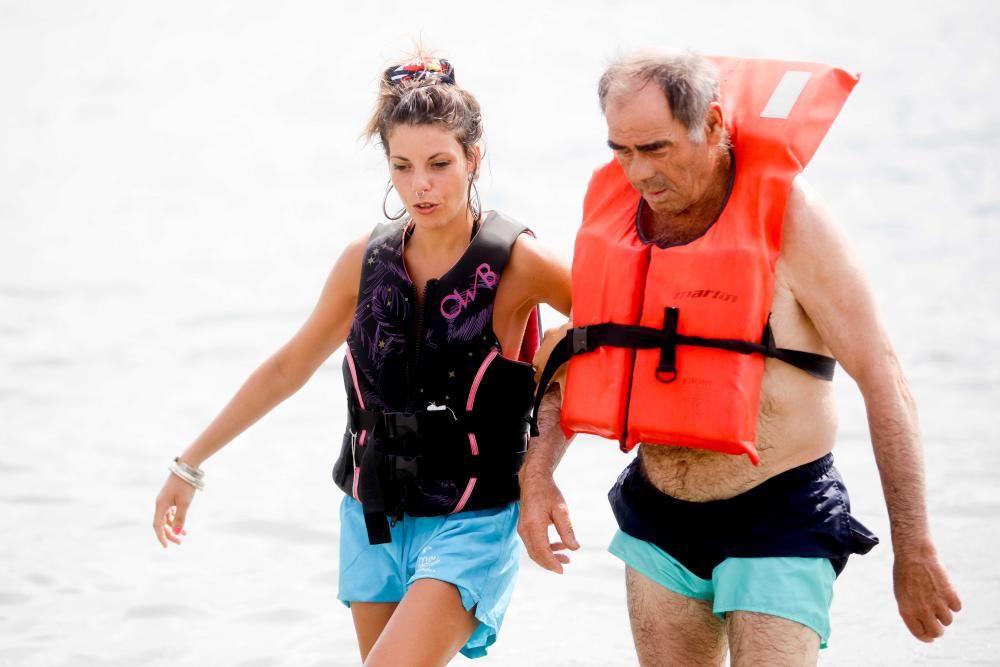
(176, 180)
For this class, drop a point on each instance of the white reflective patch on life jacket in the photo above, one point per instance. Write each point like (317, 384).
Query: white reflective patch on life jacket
(786, 94)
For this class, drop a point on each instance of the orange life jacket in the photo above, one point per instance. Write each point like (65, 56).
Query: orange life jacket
(669, 344)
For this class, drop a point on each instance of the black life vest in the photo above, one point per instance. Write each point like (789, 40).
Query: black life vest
(437, 417)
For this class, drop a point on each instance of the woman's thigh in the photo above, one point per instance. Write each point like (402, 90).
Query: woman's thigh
(428, 627)
(370, 618)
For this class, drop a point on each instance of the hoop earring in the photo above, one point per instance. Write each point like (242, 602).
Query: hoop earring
(385, 200)
(476, 204)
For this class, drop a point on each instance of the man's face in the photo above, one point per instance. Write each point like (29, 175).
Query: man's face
(656, 151)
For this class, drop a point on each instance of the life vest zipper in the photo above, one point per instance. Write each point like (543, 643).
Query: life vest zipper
(414, 401)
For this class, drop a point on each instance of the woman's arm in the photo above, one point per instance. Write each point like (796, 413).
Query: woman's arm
(276, 379)
(533, 275)
(545, 274)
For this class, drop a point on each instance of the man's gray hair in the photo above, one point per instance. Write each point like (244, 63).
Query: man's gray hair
(689, 81)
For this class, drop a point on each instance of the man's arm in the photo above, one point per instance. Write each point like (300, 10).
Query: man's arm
(828, 282)
(542, 504)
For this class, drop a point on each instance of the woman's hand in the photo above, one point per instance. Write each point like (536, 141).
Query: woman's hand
(171, 510)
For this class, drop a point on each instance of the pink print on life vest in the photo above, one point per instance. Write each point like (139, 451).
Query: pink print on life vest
(453, 304)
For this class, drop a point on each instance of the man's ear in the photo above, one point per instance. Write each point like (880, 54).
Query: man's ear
(715, 125)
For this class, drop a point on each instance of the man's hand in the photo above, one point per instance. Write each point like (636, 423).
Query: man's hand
(924, 593)
(549, 341)
(828, 282)
(542, 505)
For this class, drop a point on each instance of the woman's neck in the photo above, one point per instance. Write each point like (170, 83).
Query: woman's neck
(442, 241)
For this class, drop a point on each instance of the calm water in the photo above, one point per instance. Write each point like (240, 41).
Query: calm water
(176, 181)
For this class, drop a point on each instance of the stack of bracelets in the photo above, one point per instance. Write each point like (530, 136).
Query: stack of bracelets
(193, 476)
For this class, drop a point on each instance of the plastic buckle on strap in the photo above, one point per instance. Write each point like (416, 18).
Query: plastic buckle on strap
(399, 424)
(404, 467)
(666, 371)
(579, 340)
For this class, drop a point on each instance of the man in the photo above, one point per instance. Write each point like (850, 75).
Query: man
(725, 551)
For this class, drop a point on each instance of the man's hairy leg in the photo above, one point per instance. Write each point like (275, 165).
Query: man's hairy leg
(761, 639)
(671, 629)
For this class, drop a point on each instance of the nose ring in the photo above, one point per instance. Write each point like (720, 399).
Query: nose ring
(420, 194)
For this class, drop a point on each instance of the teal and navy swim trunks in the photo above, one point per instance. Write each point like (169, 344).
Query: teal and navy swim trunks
(774, 549)
(799, 589)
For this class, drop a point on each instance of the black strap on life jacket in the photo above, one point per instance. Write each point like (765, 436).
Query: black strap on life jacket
(371, 496)
(426, 444)
(585, 339)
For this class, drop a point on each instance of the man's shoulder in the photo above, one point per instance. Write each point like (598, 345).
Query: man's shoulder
(803, 203)
(808, 224)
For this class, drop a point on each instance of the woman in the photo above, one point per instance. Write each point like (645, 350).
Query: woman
(439, 311)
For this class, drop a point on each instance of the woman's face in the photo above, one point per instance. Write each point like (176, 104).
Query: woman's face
(431, 174)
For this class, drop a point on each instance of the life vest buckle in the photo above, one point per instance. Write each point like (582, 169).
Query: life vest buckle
(666, 371)
(666, 376)
(399, 424)
(430, 422)
(579, 340)
(404, 467)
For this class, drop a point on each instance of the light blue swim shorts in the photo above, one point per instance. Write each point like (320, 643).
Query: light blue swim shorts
(799, 589)
(479, 552)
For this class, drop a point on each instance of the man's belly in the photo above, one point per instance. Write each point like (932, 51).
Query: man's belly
(797, 423)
